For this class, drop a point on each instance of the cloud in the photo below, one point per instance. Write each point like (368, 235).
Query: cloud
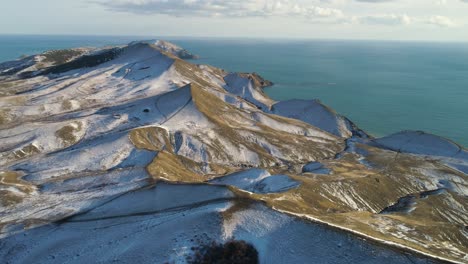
(441, 21)
(302, 9)
(374, 1)
(394, 20)
(223, 8)
(390, 19)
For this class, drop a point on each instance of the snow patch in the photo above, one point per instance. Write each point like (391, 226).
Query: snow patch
(258, 181)
(417, 142)
(316, 167)
(315, 113)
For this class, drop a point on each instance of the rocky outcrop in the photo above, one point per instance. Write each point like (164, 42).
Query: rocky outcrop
(175, 50)
(257, 80)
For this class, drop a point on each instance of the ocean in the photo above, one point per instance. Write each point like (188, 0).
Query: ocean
(384, 87)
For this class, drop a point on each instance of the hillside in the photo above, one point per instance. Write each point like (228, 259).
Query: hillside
(132, 153)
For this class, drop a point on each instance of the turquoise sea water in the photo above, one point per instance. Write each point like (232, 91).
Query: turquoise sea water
(384, 87)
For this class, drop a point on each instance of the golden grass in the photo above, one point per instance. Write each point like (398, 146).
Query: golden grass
(227, 119)
(193, 74)
(12, 87)
(151, 138)
(173, 168)
(26, 151)
(13, 179)
(67, 105)
(4, 117)
(67, 133)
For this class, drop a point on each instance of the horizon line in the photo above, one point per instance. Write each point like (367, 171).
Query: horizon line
(236, 37)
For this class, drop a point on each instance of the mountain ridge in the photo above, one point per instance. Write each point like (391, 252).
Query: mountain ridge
(98, 127)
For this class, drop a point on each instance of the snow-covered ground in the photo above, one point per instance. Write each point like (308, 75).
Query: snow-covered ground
(258, 181)
(165, 223)
(91, 138)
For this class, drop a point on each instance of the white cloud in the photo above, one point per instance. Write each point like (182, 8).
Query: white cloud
(223, 8)
(313, 11)
(441, 21)
(388, 19)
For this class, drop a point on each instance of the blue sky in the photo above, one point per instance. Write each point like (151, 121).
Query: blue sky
(436, 20)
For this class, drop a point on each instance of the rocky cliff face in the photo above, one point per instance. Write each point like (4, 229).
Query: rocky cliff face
(114, 148)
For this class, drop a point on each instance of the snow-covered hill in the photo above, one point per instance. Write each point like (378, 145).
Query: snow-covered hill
(130, 152)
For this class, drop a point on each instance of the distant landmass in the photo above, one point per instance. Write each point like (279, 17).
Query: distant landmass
(135, 153)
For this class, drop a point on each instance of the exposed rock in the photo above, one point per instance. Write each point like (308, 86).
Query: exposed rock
(175, 50)
(257, 80)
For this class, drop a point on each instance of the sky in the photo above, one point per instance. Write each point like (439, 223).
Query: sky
(425, 20)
